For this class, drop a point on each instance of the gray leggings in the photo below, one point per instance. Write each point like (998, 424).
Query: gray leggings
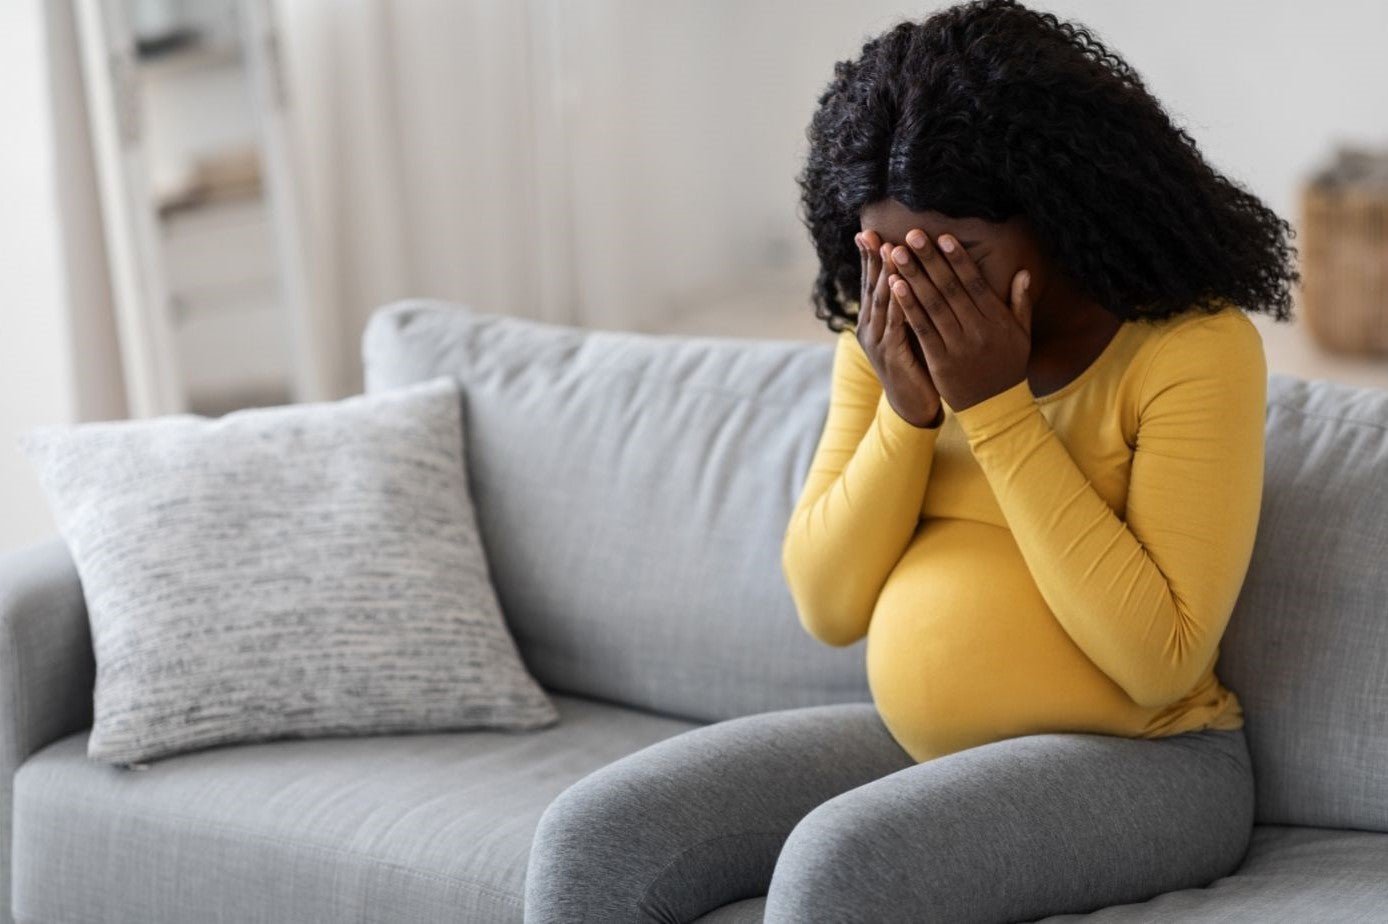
(821, 810)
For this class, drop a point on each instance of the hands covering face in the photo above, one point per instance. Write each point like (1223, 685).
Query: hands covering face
(973, 344)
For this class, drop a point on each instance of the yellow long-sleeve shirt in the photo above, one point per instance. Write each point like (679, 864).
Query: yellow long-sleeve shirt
(1066, 562)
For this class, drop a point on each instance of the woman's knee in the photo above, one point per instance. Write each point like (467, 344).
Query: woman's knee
(604, 842)
(1226, 791)
(695, 821)
(844, 862)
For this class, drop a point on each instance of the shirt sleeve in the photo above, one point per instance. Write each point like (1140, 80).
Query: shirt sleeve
(860, 503)
(1146, 599)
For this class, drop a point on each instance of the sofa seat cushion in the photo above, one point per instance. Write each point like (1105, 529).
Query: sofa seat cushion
(414, 827)
(1290, 874)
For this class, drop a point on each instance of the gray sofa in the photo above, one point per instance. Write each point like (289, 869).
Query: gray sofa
(632, 492)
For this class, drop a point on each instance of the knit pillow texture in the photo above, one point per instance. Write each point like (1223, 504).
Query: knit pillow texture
(291, 572)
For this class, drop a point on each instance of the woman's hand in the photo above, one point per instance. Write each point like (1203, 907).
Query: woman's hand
(975, 345)
(890, 344)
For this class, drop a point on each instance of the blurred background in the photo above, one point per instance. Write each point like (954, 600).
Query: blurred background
(203, 200)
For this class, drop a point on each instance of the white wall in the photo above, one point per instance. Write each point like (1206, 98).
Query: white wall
(35, 365)
(691, 116)
(609, 162)
(642, 155)
(1265, 87)
(95, 368)
(58, 361)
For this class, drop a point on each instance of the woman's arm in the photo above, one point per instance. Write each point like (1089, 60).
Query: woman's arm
(1147, 600)
(860, 503)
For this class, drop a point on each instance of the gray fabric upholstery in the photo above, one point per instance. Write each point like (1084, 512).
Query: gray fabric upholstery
(438, 827)
(297, 571)
(1307, 647)
(1290, 874)
(652, 444)
(46, 667)
(409, 828)
(633, 491)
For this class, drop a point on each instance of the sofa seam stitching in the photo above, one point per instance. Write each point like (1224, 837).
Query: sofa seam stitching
(1305, 413)
(324, 848)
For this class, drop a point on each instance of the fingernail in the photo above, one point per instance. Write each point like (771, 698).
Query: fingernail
(1026, 281)
(900, 288)
(946, 243)
(916, 239)
(901, 256)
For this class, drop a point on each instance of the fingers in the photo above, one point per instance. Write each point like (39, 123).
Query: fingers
(917, 319)
(874, 263)
(908, 262)
(870, 266)
(941, 273)
(975, 288)
(881, 295)
(901, 347)
(863, 282)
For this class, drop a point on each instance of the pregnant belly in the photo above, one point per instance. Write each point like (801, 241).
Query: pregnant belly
(962, 649)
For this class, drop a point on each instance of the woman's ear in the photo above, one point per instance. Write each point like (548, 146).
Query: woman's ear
(1022, 300)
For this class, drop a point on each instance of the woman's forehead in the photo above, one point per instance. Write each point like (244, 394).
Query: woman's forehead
(892, 220)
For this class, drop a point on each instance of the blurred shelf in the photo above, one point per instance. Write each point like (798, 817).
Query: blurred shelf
(210, 178)
(228, 353)
(190, 57)
(217, 246)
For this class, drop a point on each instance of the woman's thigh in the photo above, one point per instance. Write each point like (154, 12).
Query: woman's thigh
(693, 822)
(1022, 828)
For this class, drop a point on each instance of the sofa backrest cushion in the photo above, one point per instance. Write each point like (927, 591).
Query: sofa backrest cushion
(632, 491)
(1307, 646)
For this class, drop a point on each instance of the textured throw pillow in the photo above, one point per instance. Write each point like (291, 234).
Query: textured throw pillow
(288, 572)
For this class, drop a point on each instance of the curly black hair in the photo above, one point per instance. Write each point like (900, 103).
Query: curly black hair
(989, 109)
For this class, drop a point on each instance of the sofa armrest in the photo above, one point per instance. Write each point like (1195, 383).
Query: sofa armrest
(47, 670)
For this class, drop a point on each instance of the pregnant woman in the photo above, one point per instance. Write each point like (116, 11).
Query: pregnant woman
(1035, 496)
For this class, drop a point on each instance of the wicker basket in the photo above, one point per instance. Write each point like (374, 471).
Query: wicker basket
(1344, 253)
